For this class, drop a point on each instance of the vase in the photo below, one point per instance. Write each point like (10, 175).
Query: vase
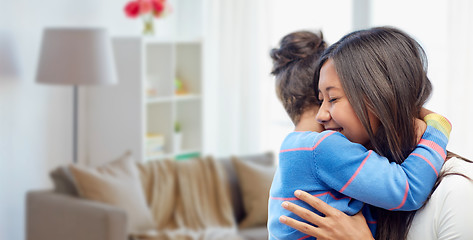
(177, 144)
(148, 27)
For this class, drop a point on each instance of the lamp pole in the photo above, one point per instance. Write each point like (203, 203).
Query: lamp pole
(75, 123)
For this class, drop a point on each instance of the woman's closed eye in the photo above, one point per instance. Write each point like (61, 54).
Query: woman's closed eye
(331, 100)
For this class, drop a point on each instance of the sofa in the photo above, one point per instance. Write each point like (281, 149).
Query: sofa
(63, 213)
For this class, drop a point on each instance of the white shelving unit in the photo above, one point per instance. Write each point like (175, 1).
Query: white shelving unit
(146, 102)
(166, 62)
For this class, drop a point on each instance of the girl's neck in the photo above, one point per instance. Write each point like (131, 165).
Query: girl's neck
(307, 122)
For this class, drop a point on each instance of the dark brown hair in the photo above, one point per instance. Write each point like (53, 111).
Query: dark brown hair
(383, 70)
(293, 67)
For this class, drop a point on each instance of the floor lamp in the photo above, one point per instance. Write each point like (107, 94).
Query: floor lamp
(8, 63)
(77, 57)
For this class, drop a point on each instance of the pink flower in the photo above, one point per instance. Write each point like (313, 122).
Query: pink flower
(158, 7)
(132, 9)
(135, 8)
(145, 6)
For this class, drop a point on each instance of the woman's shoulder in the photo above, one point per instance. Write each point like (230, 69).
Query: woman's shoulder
(455, 166)
(458, 180)
(456, 185)
(448, 212)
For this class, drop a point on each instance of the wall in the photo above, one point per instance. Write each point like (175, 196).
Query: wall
(36, 120)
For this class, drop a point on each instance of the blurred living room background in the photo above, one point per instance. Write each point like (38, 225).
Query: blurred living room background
(228, 105)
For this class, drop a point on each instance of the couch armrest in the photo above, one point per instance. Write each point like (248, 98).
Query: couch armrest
(54, 216)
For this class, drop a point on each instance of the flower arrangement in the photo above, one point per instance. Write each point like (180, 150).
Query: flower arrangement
(148, 10)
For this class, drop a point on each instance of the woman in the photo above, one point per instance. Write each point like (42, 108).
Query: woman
(298, 151)
(387, 67)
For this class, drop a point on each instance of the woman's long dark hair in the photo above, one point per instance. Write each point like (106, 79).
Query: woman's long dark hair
(384, 71)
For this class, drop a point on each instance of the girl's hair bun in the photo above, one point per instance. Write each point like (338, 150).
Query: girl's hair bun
(296, 46)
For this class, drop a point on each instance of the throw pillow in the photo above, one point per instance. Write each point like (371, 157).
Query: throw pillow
(266, 159)
(63, 181)
(117, 183)
(255, 181)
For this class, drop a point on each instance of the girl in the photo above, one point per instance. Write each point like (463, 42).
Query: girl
(338, 171)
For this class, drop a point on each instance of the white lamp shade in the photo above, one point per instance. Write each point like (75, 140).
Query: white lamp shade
(76, 56)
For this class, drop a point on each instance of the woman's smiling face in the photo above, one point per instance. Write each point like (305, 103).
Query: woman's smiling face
(336, 112)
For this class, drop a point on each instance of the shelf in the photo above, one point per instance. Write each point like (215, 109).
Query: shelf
(187, 155)
(151, 41)
(182, 155)
(159, 99)
(186, 97)
(160, 157)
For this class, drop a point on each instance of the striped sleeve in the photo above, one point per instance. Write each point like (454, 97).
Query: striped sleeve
(440, 123)
(366, 176)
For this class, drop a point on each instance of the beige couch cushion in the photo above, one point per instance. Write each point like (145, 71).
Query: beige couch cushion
(117, 183)
(255, 181)
(266, 159)
(64, 181)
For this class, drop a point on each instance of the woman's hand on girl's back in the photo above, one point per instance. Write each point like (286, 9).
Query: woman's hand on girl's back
(335, 225)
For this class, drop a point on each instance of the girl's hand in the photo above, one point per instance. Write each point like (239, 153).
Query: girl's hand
(420, 127)
(419, 124)
(424, 112)
(335, 224)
